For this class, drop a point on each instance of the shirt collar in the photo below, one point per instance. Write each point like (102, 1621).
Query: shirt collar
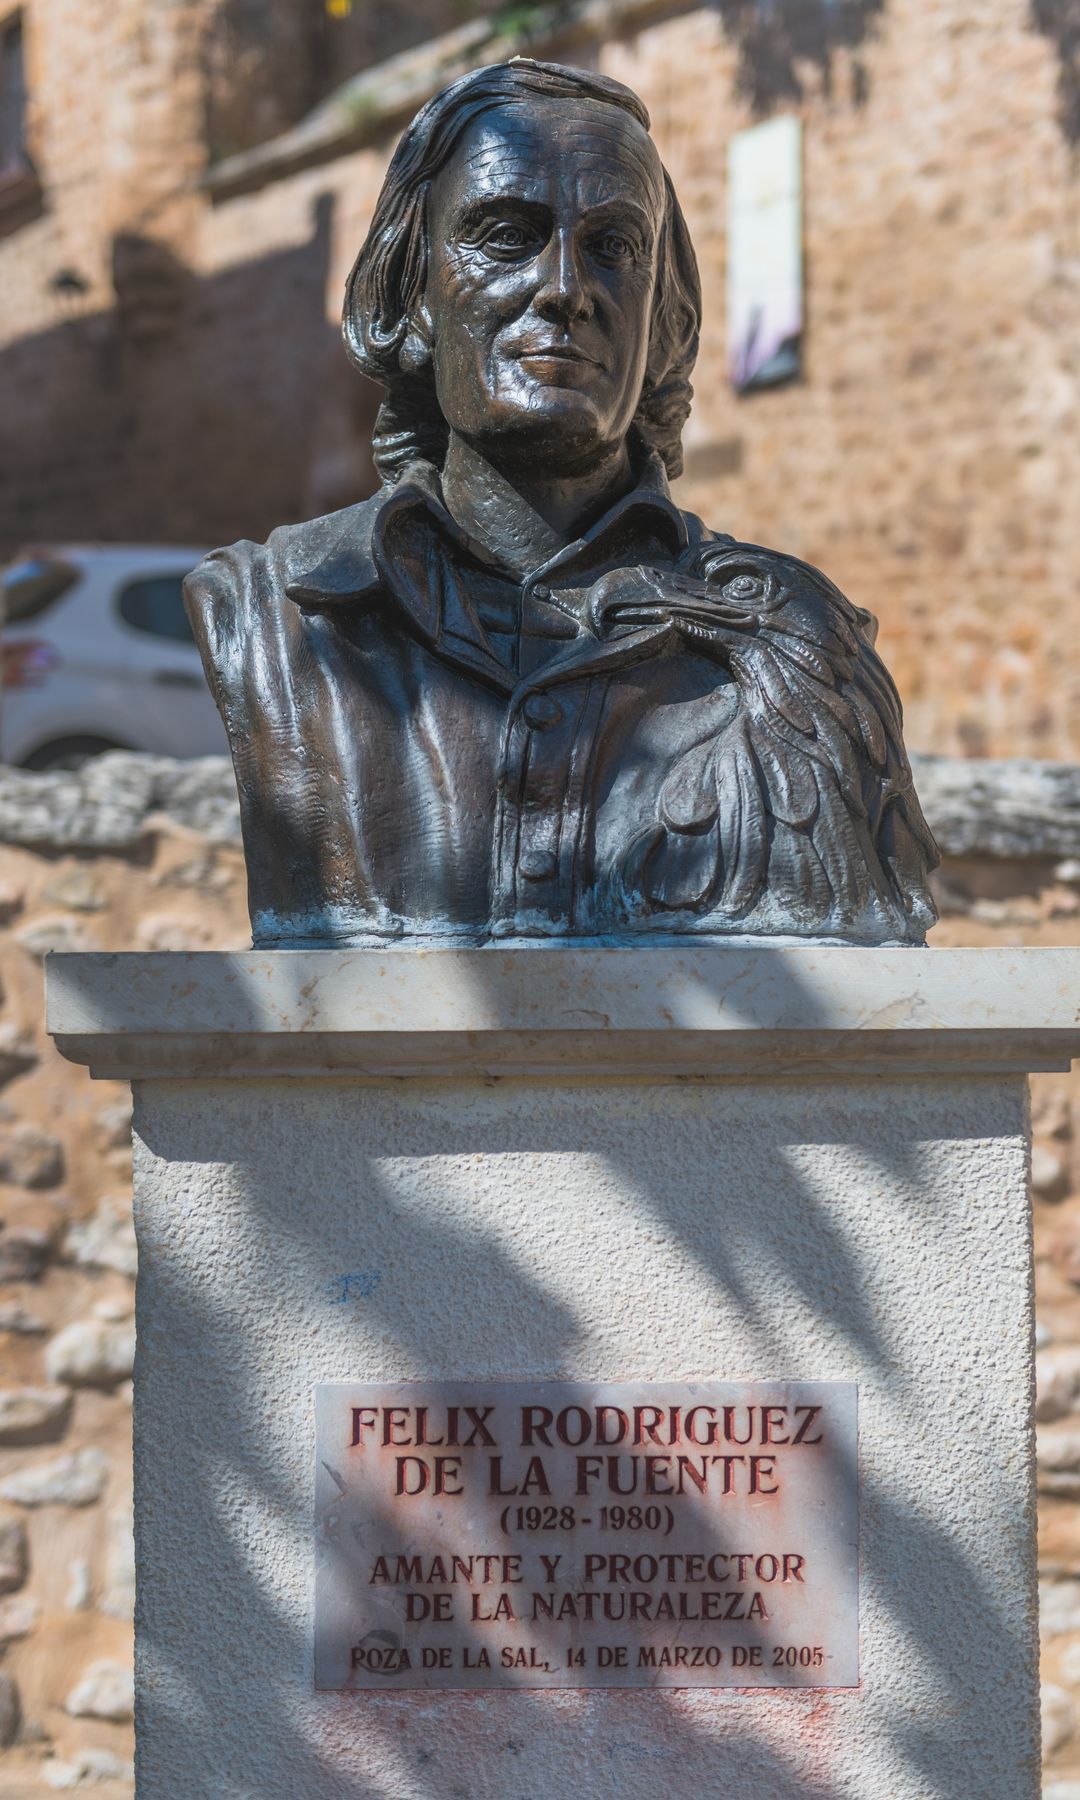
(362, 561)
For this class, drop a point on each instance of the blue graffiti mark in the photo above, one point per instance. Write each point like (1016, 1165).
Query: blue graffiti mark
(356, 1286)
(638, 1752)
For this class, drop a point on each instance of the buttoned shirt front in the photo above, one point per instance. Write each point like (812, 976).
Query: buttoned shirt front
(423, 741)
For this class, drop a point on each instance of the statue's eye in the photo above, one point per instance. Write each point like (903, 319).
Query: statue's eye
(615, 246)
(508, 239)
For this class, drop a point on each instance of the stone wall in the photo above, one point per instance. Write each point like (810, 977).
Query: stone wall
(84, 864)
(139, 853)
(925, 458)
(137, 373)
(267, 62)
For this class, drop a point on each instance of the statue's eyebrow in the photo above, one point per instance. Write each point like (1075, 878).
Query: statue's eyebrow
(481, 207)
(620, 208)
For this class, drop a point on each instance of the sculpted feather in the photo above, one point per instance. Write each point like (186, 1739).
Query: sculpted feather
(803, 801)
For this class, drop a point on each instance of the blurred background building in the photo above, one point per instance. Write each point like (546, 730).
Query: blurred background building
(889, 386)
(184, 185)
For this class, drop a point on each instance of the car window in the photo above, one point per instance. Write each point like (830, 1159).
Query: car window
(32, 584)
(155, 604)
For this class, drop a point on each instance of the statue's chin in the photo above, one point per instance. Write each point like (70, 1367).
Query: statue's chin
(565, 432)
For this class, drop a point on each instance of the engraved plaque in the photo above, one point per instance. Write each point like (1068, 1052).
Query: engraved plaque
(481, 1534)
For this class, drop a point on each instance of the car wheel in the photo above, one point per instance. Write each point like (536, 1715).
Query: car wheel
(69, 752)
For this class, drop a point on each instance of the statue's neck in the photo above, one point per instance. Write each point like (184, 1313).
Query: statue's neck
(525, 519)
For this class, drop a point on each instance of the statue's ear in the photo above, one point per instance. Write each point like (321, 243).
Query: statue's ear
(415, 353)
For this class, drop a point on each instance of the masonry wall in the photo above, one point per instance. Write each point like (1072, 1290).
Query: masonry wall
(928, 459)
(152, 393)
(67, 1265)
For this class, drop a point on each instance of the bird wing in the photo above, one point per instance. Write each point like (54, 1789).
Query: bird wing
(798, 813)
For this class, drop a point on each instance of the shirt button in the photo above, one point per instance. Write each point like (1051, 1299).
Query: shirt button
(540, 592)
(537, 865)
(540, 711)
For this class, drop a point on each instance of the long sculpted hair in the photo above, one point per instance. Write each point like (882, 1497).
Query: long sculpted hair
(387, 282)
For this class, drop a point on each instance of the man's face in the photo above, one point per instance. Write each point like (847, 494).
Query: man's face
(543, 234)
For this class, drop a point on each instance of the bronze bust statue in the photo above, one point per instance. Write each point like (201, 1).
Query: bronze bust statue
(519, 693)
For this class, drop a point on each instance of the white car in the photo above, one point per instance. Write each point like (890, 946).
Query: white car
(97, 654)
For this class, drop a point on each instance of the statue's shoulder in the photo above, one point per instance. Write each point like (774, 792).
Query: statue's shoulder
(287, 563)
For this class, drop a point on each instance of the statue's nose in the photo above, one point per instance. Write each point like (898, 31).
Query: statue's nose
(563, 294)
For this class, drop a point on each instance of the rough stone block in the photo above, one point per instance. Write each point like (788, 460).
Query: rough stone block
(91, 1353)
(75, 1480)
(33, 1415)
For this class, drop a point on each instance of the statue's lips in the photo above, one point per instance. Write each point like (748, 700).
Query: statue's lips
(556, 353)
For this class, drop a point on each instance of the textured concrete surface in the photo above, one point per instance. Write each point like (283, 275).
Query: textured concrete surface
(294, 1232)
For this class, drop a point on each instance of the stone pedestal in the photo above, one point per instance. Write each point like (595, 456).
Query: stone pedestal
(765, 1164)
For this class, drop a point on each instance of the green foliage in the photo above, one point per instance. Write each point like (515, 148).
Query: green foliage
(517, 20)
(361, 107)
